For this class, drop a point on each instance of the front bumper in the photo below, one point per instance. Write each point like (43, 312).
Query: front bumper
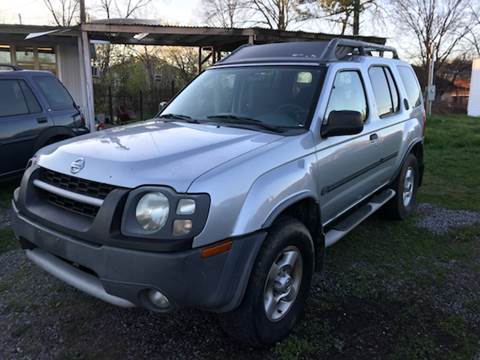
(123, 276)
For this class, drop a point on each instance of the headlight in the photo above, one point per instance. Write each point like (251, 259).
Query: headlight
(160, 213)
(152, 211)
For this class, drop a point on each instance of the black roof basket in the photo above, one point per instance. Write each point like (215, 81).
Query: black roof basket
(337, 49)
(12, 67)
(305, 51)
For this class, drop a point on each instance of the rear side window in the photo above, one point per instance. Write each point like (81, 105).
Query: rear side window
(410, 82)
(32, 102)
(384, 89)
(57, 96)
(393, 90)
(348, 93)
(12, 101)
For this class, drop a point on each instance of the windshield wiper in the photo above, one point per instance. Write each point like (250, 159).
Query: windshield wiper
(243, 120)
(181, 117)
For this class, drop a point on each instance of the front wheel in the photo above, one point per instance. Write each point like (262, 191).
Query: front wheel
(406, 185)
(279, 285)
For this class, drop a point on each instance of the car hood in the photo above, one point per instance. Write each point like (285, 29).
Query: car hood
(152, 153)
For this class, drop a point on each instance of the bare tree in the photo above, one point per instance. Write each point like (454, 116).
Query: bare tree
(277, 14)
(122, 9)
(347, 13)
(474, 36)
(224, 13)
(64, 12)
(438, 27)
(184, 58)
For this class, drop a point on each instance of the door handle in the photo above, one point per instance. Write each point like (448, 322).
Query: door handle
(374, 138)
(42, 120)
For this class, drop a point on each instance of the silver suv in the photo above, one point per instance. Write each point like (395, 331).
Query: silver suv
(227, 199)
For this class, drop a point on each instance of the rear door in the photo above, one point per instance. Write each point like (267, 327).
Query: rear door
(396, 115)
(346, 167)
(22, 119)
(389, 116)
(61, 106)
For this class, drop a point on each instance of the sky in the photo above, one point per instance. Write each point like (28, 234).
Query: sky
(34, 11)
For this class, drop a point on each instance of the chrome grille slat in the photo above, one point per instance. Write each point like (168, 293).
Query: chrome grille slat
(76, 185)
(68, 194)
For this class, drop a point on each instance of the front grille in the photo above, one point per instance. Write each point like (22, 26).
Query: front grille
(76, 185)
(72, 205)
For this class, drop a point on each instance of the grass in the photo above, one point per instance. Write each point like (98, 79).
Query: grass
(391, 290)
(6, 193)
(452, 159)
(7, 240)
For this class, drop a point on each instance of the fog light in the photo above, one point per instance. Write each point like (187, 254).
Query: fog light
(158, 299)
(182, 227)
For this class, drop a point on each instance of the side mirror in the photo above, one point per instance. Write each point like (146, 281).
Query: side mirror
(343, 122)
(162, 105)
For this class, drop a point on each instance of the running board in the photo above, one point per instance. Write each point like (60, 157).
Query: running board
(349, 223)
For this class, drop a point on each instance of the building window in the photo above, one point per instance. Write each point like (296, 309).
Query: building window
(29, 57)
(5, 56)
(25, 57)
(47, 59)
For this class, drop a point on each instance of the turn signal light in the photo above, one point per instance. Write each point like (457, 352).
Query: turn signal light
(216, 249)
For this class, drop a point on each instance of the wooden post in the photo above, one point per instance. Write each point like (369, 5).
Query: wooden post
(83, 14)
(110, 104)
(199, 59)
(356, 17)
(140, 102)
(87, 69)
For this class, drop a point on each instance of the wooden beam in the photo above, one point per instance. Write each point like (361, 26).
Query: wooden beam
(87, 69)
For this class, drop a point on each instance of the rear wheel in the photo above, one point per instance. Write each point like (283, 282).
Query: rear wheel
(279, 285)
(405, 186)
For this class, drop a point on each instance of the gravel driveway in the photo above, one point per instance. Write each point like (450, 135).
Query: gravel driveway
(439, 220)
(4, 218)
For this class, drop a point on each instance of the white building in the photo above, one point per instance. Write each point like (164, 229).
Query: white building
(474, 100)
(58, 53)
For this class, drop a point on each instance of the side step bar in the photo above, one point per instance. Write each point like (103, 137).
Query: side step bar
(354, 219)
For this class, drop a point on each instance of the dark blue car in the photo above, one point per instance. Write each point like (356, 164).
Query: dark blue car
(35, 110)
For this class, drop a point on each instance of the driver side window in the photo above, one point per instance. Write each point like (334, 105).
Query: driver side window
(347, 93)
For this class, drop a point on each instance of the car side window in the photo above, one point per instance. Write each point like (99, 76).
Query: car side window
(348, 93)
(57, 96)
(384, 89)
(32, 102)
(393, 89)
(409, 80)
(12, 100)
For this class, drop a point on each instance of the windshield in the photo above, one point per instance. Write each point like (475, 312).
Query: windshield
(268, 96)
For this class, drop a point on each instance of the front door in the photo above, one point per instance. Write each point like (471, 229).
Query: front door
(346, 167)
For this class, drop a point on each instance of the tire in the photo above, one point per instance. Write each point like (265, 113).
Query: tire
(402, 205)
(249, 323)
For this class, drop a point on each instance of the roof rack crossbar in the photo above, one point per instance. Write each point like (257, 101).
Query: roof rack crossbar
(336, 46)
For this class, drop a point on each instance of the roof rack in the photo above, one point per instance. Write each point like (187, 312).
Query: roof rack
(12, 67)
(305, 51)
(337, 49)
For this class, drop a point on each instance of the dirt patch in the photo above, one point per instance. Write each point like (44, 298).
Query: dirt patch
(439, 220)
